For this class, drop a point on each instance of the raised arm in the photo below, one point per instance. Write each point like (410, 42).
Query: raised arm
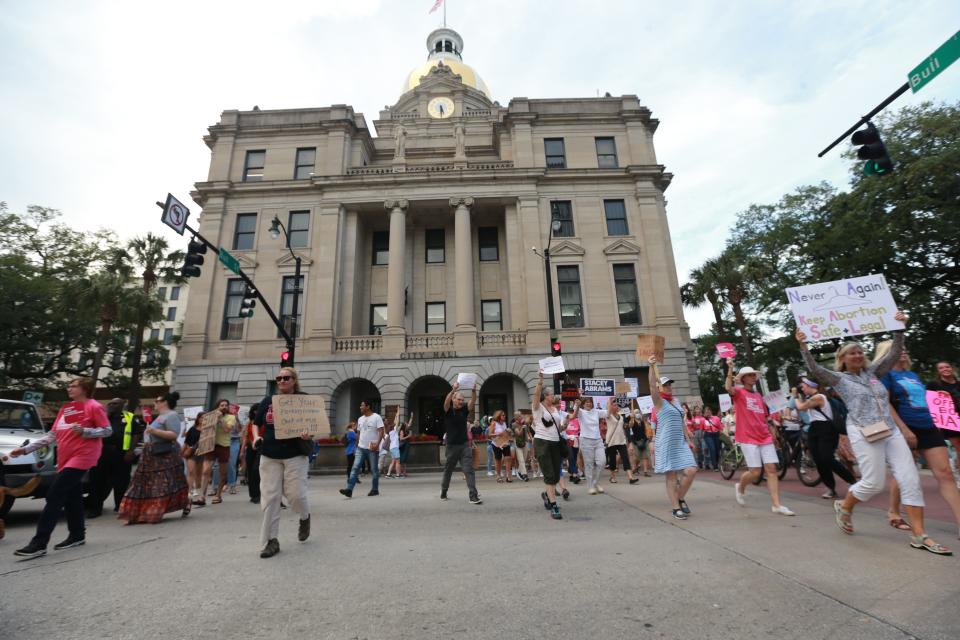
(652, 376)
(882, 366)
(822, 374)
(448, 401)
(814, 402)
(728, 382)
(472, 403)
(537, 390)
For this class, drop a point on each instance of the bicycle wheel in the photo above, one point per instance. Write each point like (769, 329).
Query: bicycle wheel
(807, 469)
(728, 463)
(783, 460)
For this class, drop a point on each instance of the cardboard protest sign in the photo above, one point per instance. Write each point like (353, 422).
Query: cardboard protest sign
(208, 432)
(295, 414)
(844, 308)
(648, 345)
(634, 387)
(553, 365)
(725, 402)
(623, 388)
(467, 380)
(597, 387)
(943, 410)
(726, 350)
(776, 401)
(646, 404)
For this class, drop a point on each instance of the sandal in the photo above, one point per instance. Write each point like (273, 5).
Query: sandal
(899, 523)
(844, 518)
(509, 480)
(613, 480)
(217, 500)
(926, 542)
(499, 479)
(199, 503)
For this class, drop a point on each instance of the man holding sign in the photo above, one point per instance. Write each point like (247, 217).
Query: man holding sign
(283, 468)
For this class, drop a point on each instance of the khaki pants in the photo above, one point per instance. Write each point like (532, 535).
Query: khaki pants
(521, 460)
(280, 478)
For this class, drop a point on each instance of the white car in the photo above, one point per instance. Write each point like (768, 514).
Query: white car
(20, 425)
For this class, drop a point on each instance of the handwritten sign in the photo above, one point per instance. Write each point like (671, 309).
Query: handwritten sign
(295, 414)
(943, 410)
(208, 432)
(634, 387)
(844, 308)
(725, 402)
(597, 387)
(467, 380)
(553, 365)
(623, 388)
(776, 401)
(646, 404)
(726, 350)
(648, 345)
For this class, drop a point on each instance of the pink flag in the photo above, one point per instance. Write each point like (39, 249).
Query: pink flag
(726, 350)
(436, 5)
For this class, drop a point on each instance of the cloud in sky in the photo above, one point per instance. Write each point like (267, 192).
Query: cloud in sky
(105, 103)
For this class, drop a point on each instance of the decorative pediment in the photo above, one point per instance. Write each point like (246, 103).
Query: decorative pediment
(622, 248)
(286, 260)
(567, 248)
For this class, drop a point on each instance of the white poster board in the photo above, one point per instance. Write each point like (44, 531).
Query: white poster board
(634, 387)
(725, 402)
(646, 404)
(553, 365)
(467, 380)
(844, 308)
(776, 401)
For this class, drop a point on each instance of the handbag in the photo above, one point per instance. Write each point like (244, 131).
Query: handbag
(564, 445)
(187, 452)
(875, 431)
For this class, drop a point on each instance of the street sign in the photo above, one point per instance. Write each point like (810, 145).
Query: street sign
(229, 261)
(939, 60)
(175, 214)
(33, 397)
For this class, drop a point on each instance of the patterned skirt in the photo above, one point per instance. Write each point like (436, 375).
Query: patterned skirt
(159, 486)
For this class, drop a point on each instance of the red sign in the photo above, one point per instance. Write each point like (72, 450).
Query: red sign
(147, 415)
(726, 350)
(569, 392)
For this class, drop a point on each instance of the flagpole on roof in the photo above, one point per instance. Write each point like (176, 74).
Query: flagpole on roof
(444, 15)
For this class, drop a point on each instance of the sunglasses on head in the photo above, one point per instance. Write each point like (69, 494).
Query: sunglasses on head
(283, 378)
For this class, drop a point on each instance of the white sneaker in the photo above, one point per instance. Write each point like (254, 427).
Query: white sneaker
(741, 499)
(829, 495)
(592, 491)
(489, 474)
(782, 510)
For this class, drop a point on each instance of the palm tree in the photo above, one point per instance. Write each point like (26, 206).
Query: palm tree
(159, 263)
(702, 288)
(107, 288)
(731, 273)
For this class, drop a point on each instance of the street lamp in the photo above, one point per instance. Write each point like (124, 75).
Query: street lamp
(275, 228)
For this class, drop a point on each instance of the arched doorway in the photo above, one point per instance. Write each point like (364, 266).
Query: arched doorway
(425, 398)
(345, 403)
(503, 391)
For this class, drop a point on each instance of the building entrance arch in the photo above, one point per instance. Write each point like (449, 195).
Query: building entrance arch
(425, 399)
(345, 402)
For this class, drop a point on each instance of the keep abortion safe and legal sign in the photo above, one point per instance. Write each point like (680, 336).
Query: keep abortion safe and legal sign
(844, 308)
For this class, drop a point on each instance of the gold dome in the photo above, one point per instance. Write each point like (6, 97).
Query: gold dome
(470, 77)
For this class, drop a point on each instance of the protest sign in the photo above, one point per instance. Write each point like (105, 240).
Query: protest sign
(600, 402)
(943, 410)
(467, 380)
(622, 401)
(645, 403)
(570, 392)
(208, 432)
(553, 365)
(295, 414)
(597, 387)
(726, 350)
(648, 345)
(844, 308)
(776, 401)
(634, 387)
(623, 388)
(725, 402)
(191, 413)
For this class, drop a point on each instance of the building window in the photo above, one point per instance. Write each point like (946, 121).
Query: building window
(253, 166)
(378, 319)
(489, 244)
(162, 292)
(556, 156)
(436, 317)
(606, 153)
(286, 305)
(171, 313)
(306, 158)
(298, 229)
(175, 293)
(616, 214)
(245, 232)
(154, 334)
(628, 302)
(168, 336)
(232, 322)
(435, 245)
(381, 247)
(562, 210)
(490, 316)
(571, 303)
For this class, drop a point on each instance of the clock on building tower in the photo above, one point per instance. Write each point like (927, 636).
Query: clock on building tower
(440, 107)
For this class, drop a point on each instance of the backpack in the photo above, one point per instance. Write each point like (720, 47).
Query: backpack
(839, 409)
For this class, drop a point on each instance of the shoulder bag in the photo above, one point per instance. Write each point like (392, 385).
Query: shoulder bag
(875, 431)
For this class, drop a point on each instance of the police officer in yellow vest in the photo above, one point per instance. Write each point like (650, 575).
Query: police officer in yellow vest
(112, 472)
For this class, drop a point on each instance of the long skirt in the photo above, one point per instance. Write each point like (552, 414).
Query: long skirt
(159, 486)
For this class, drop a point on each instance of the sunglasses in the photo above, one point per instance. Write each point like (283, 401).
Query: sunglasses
(283, 378)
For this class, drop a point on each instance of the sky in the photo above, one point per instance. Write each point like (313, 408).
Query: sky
(104, 104)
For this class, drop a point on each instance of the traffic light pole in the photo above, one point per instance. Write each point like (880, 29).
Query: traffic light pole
(880, 107)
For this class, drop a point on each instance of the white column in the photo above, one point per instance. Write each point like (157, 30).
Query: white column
(396, 269)
(466, 317)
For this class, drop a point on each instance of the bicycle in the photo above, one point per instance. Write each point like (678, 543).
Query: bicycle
(731, 459)
(800, 458)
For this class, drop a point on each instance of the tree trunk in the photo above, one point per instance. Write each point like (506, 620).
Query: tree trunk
(715, 304)
(741, 321)
(108, 315)
(134, 397)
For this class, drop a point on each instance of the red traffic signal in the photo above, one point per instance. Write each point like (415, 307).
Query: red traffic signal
(285, 358)
(555, 347)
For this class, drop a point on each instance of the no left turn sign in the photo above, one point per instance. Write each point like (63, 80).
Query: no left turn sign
(175, 214)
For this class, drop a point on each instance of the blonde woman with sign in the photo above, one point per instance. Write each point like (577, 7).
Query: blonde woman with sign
(674, 456)
(876, 439)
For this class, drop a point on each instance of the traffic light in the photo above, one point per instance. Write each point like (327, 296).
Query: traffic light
(191, 264)
(555, 347)
(873, 151)
(248, 303)
(284, 358)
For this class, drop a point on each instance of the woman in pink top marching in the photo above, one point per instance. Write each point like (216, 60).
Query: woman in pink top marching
(78, 430)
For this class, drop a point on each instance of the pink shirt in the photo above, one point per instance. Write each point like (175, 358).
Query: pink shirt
(751, 417)
(73, 450)
(713, 424)
(697, 423)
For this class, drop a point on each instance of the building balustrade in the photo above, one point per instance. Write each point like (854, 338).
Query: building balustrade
(358, 344)
(429, 341)
(501, 339)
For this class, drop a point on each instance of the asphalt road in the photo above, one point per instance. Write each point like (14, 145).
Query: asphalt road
(406, 565)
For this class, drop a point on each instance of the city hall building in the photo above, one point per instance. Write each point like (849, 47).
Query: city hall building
(422, 247)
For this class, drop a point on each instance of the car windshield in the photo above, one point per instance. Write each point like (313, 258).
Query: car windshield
(18, 416)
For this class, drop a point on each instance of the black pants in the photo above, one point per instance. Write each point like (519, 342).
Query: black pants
(612, 457)
(572, 461)
(823, 440)
(253, 472)
(350, 458)
(112, 473)
(65, 494)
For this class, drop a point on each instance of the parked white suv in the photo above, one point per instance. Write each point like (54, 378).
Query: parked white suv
(20, 425)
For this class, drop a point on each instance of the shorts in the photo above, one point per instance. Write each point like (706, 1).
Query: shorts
(395, 453)
(549, 459)
(498, 453)
(757, 455)
(949, 434)
(219, 453)
(929, 438)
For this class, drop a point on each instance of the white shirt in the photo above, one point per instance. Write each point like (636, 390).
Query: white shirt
(367, 427)
(823, 411)
(546, 431)
(395, 438)
(590, 422)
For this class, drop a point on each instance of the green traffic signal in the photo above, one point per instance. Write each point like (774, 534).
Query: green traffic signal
(877, 167)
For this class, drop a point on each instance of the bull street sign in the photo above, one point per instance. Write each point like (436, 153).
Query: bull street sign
(229, 261)
(175, 214)
(939, 60)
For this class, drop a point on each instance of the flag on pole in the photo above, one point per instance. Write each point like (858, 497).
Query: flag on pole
(436, 5)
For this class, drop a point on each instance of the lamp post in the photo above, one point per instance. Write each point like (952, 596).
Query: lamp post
(551, 316)
(275, 228)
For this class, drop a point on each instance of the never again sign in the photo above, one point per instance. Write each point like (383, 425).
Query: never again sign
(844, 308)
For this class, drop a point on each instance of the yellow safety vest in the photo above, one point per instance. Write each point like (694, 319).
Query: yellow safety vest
(127, 430)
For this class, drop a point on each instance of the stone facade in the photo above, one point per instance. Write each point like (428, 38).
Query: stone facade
(448, 167)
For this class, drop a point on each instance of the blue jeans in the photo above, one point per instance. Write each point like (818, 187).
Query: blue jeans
(358, 459)
(489, 456)
(711, 441)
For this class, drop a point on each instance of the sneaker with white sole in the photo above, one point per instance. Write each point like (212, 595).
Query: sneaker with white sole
(782, 510)
(489, 474)
(600, 489)
(592, 491)
(829, 495)
(741, 498)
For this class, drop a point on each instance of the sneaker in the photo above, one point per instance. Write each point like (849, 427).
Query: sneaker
(685, 508)
(679, 514)
(304, 532)
(272, 548)
(255, 500)
(600, 489)
(32, 550)
(634, 480)
(443, 495)
(555, 512)
(546, 500)
(741, 499)
(829, 495)
(525, 478)
(69, 542)
(565, 494)
(592, 491)
(476, 500)
(489, 474)
(373, 492)
(346, 492)
(782, 510)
